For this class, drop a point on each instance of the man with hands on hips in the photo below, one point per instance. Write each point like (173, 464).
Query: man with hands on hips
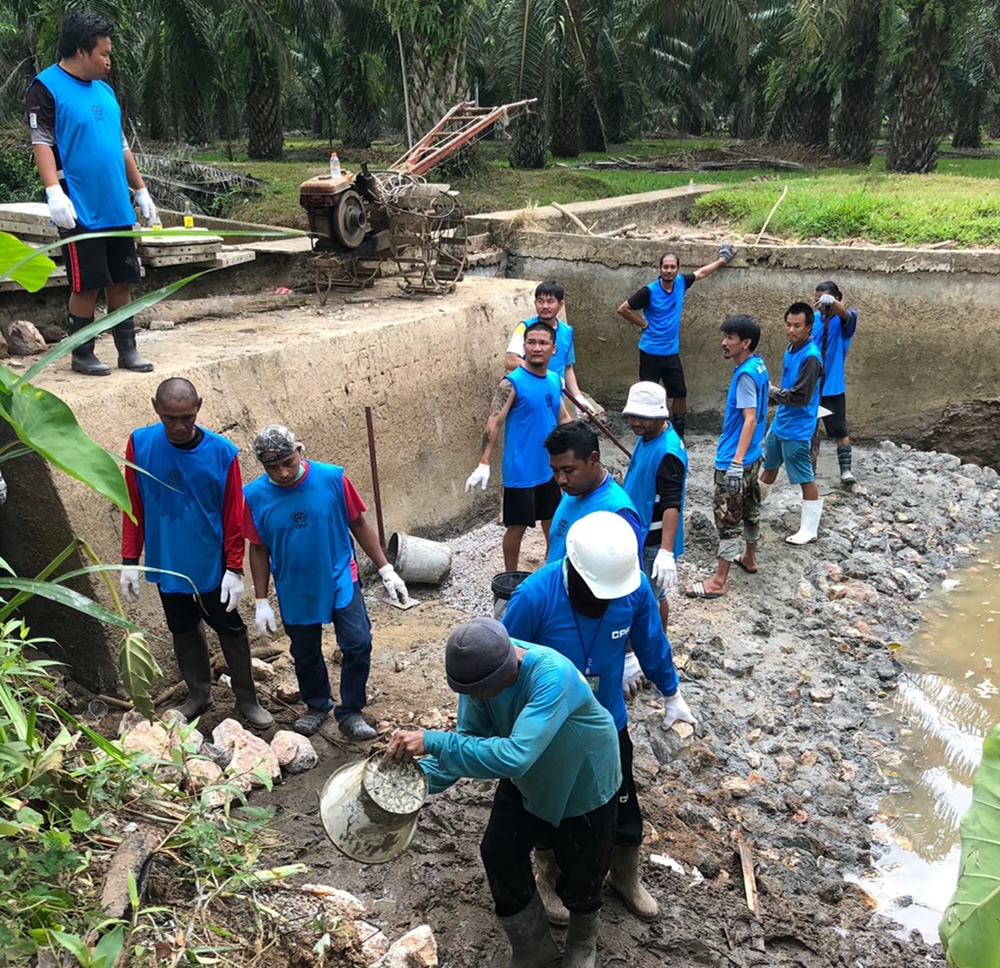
(188, 511)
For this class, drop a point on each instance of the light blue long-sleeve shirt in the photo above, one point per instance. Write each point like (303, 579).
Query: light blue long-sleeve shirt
(546, 733)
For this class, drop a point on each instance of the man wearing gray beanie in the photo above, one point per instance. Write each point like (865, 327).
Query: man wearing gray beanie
(528, 718)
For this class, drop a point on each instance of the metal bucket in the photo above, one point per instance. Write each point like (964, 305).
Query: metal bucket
(503, 586)
(370, 811)
(418, 559)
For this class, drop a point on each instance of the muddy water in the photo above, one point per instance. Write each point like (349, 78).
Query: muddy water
(946, 703)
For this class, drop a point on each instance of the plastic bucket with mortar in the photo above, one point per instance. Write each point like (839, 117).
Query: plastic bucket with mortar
(369, 810)
(419, 560)
(503, 586)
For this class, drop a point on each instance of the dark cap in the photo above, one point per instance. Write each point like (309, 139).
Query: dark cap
(479, 657)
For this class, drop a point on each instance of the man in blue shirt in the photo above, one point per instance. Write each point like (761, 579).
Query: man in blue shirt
(588, 606)
(528, 402)
(832, 330)
(575, 459)
(736, 501)
(527, 718)
(661, 303)
(789, 440)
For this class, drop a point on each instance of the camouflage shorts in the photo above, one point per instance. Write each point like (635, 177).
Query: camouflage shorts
(738, 514)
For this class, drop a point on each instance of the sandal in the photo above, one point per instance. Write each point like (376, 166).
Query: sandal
(697, 590)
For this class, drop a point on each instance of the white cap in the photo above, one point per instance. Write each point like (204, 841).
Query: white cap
(648, 400)
(604, 550)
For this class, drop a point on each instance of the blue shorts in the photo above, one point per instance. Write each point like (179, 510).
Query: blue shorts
(648, 557)
(796, 455)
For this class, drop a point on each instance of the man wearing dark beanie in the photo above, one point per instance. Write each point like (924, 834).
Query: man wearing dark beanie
(528, 718)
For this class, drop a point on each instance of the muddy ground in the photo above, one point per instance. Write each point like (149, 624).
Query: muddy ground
(787, 674)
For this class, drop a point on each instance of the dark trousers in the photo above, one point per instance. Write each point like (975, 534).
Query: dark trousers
(354, 637)
(582, 846)
(628, 832)
(184, 611)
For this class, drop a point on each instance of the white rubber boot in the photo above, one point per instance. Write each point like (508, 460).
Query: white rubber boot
(765, 491)
(546, 872)
(812, 511)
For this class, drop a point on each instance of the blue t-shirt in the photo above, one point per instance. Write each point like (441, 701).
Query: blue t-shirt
(640, 481)
(182, 507)
(546, 733)
(532, 416)
(607, 496)
(565, 354)
(837, 346)
(307, 532)
(797, 423)
(662, 335)
(540, 611)
(88, 134)
(732, 418)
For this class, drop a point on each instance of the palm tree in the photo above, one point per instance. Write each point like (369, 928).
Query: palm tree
(856, 124)
(974, 73)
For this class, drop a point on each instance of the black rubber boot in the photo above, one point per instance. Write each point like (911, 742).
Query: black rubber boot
(191, 650)
(679, 422)
(844, 454)
(236, 649)
(128, 355)
(530, 939)
(581, 941)
(84, 360)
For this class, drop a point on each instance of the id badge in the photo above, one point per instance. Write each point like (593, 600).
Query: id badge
(594, 682)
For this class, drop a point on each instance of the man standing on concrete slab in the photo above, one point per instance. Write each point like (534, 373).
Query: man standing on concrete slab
(521, 708)
(655, 480)
(87, 169)
(300, 519)
(188, 511)
(832, 331)
(586, 485)
(789, 440)
(736, 500)
(528, 402)
(587, 606)
(661, 303)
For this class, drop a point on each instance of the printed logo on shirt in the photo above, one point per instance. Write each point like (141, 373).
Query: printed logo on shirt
(621, 633)
(33, 120)
(562, 528)
(98, 112)
(300, 519)
(548, 399)
(174, 477)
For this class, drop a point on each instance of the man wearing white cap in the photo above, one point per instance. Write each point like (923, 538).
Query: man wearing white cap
(300, 518)
(655, 481)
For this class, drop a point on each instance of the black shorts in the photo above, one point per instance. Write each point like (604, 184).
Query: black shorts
(666, 370)
(529, 505)
(836, 423)
(183, 612)
(96, 263)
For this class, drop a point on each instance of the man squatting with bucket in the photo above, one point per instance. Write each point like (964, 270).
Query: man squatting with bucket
(300, 518)
(588, 606)
(521, 707)
(528, 402)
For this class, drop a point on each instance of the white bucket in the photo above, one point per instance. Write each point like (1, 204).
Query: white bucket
(418, 559)
(370, 812)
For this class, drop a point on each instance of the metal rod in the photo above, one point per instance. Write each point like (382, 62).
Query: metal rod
(375, 490)
(593, 418)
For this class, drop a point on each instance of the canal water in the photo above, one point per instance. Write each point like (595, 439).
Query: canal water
(946, 703)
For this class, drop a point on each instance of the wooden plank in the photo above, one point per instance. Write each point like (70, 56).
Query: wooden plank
(31, 212)
(155, 252)
(159, 261)
(177, 241)
(232, 257)
(749, 881)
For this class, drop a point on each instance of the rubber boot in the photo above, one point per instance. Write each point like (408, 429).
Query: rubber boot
(679, 423)
(581, 941)
(812, 511)
(765, 491)
(530, 939)
(624, 880)
(84, 360)
(128, 355)
(844, 459)
(236, 649)
(191, 650)
(546, 872)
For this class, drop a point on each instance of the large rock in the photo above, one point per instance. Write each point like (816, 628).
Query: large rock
(202, 773)
(294, 752)
(372, 941)
(252, 760)
(226, 733)
(416, 949)
(24, 340)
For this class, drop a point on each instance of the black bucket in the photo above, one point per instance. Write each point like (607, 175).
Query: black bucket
(503, 586)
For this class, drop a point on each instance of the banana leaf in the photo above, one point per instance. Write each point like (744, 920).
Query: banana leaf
(970, 928)
(22, 263)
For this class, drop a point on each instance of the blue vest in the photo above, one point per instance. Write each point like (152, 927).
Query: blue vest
(532, 416)
(797, 423)
(89, 138)
(662, 336)
(306, 530)
(732, 419)
(564, 355)
(837, 346)
(640, 481)
(607, 496)
(182, 521)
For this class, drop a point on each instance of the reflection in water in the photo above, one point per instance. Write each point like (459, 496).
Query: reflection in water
(944, 707)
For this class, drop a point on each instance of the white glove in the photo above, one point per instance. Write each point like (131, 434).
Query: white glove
(129, 584)
(395, 587)
(3, 490)
(664, 569)
(264, 617)
(232, 589)
(61, 209)
(676, 711)
(632, 678)
(825, 300)
(146, 206)
(481, 476)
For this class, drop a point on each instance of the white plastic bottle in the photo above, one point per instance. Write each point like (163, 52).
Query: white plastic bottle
(334, 165)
